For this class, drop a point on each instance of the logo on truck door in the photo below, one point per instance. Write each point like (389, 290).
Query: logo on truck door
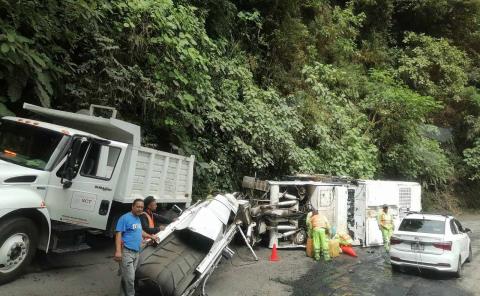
(103, 188)
(83, 201)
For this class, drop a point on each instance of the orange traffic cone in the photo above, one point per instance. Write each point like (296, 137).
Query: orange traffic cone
(348, 250)
(274, 256)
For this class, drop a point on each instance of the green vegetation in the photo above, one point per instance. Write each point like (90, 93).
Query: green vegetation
(365, 88)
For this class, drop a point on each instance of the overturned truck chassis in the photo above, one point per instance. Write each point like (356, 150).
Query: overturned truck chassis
(279, 208)
(189, 249)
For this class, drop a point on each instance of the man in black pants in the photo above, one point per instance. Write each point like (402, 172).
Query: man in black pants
(150, 220)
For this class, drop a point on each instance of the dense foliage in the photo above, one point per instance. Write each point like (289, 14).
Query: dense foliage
(364, 88)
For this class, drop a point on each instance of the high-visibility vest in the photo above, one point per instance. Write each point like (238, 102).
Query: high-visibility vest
(150, 220)
(385, 220)
(319, 221)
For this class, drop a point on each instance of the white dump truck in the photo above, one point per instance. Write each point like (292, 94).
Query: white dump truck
(73, 175)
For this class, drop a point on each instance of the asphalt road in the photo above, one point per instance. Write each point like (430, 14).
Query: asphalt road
(93, 272)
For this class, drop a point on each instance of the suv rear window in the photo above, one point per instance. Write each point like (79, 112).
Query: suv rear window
(423, 226)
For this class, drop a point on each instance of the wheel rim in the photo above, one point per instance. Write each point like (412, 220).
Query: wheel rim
(13, 252)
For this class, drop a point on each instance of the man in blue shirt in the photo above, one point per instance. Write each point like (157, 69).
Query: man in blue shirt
(128, 241)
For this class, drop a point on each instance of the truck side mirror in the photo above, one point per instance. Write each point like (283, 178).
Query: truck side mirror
(70, 164)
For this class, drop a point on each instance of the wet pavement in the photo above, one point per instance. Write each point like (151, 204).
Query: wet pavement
(368, 274)
(93, 272)
(371, 275)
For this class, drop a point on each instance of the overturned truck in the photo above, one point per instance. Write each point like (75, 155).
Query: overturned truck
(279, 208)
(189, 249)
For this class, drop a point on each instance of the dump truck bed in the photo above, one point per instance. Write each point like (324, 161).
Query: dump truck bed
(166, 176)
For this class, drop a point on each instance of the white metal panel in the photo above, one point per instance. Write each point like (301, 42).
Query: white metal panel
(206, 224)
(323, 200)
(405, 197)
(416, 204)
(373, 233)
(381, 192)
(108, 128)
(409, 198)
(341, 196)
(209, 221)
(405, 200)
(357, 226)
(125, 184)
(168, 177)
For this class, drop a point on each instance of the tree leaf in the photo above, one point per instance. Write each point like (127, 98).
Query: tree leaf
(38, 59)
(42, 95)
(16, 84)
(45, 80)
(4, 111)
(4, 48)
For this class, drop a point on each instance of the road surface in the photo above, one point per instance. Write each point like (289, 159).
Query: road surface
(93, 272)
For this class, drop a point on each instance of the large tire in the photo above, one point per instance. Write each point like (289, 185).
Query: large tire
(19, 238)
(169, 268)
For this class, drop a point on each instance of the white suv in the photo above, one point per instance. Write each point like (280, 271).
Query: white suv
(430, 241)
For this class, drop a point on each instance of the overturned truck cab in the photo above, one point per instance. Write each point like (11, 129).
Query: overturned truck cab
(189, 249)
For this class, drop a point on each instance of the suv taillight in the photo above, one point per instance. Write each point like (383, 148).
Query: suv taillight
(395, 240)
(447, 246)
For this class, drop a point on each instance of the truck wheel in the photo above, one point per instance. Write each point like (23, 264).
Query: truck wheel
(18, 242)
(169, 268)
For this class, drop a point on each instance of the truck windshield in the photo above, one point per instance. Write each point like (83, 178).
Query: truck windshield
(27, 145)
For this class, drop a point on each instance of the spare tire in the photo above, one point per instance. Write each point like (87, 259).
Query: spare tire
(169, 268)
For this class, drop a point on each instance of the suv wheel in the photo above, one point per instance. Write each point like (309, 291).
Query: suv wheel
(470, 253)
(458, 273)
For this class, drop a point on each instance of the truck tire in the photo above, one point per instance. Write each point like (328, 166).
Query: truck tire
(169, 268)
(18, 242)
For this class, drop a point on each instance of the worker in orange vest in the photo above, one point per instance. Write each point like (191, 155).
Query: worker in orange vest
(319, 228)
(150, 219)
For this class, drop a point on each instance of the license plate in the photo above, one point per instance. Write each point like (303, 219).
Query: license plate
(418, 247)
